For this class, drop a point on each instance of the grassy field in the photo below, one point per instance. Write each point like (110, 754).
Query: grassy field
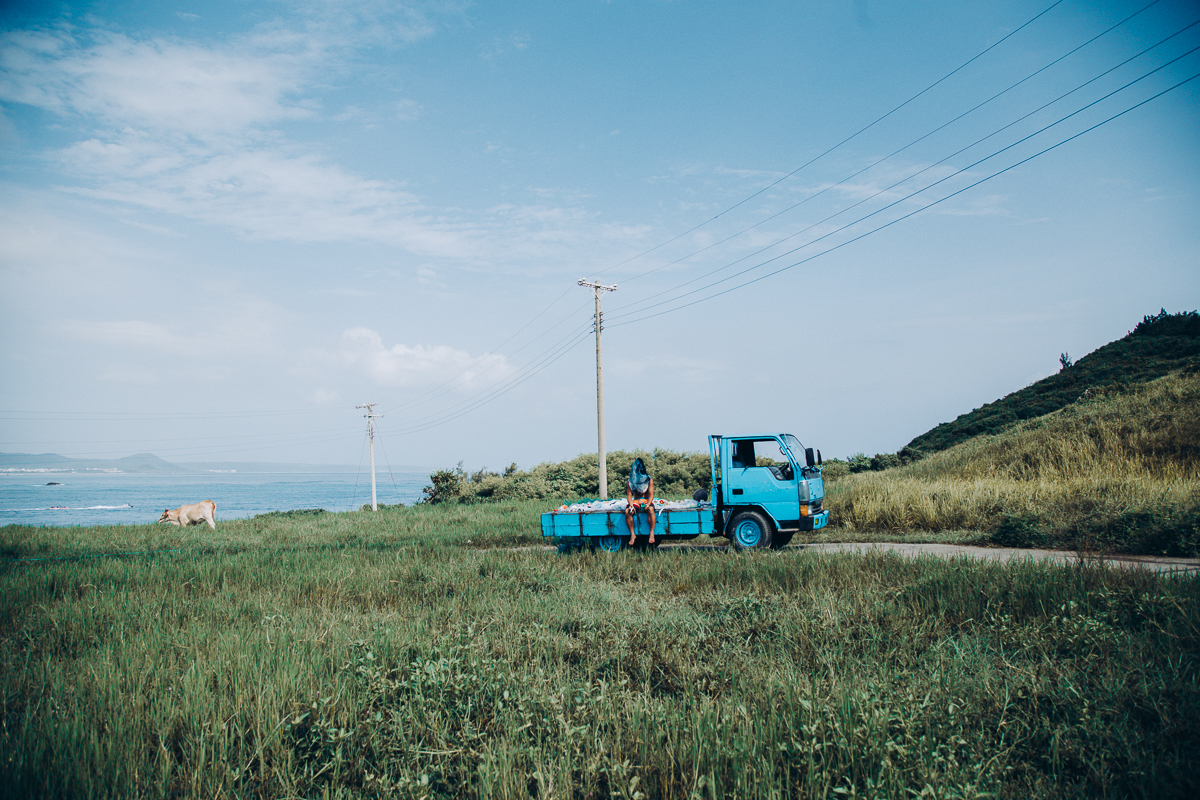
(412, 653)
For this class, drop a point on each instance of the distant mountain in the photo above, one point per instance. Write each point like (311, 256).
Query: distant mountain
(1160, 344)
(274, 466)
(142, 463)
(148, 463)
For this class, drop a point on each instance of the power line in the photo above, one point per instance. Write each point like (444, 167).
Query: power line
(627, 313)
(136, 416)
(904, 217)
(921, 138)
(849, 138)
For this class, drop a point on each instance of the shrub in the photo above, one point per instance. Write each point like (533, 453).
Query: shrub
(859, 462)
(446, 486)
(833, 469)
(1020, 530)
(675, 475)
(1186, 323)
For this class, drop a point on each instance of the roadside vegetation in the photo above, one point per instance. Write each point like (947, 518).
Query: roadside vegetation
(1117, 470)
(386, 655)
(676, 475)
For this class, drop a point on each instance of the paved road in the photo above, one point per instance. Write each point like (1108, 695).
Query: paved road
(1153, 563)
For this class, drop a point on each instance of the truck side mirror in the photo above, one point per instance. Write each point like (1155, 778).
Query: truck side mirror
(810, 457)
(818, 458)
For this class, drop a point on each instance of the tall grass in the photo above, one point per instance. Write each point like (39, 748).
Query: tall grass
(379, 655)
(1120, 471)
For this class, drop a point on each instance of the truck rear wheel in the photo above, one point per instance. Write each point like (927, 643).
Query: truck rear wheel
(750, 529)
(610, 543)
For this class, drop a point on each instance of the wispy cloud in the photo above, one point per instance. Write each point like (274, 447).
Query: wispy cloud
(203, 130)
(159, 85)
(503, 45)
(415, 366)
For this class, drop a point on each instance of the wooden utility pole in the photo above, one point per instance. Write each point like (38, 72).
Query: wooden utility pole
(597, 288)
(371, 416)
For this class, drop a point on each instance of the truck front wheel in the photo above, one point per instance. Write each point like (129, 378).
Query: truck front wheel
(750, 529)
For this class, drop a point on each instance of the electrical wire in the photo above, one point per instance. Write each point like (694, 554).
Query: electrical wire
(914, 142)
(848, 139)
(620, 313)
(910, 214)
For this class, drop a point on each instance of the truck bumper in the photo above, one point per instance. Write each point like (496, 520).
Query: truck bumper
(815, 522)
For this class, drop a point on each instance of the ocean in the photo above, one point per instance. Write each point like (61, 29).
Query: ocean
(135, 499)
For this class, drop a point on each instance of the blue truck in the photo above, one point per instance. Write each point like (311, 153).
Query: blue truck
(765, 489)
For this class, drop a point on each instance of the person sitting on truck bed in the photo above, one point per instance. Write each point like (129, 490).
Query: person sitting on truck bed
(639, 494)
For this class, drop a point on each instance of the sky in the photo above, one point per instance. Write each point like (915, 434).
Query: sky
(225, 226)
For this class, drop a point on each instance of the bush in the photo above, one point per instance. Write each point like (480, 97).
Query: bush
(446, 486)
(859, 462)
(1020, 530)
(675, 475)
(1186, 323)
(833, 469)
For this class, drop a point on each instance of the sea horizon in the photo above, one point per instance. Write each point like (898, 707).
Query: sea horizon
(107, 498)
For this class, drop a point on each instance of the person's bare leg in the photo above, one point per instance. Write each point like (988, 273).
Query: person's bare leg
(629, 522)
(653, 519)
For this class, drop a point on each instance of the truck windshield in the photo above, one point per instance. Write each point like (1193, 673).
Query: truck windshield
(797, 449)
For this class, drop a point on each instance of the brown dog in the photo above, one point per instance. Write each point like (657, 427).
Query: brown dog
(191, 515)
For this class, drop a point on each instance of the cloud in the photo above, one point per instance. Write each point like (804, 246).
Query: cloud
(157, 84)
(324, 397)
(201, 130)
(418, 366)
(503, 45)
(129, 376)
(991, 205)
(408, 110)
(681, 369)
(429, 277)
(132, 333)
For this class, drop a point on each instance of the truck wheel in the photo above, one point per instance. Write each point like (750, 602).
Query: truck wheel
(781, 540)
(610, 544)
(749, 529)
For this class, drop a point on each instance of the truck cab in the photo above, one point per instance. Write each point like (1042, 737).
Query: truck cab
(765, 489)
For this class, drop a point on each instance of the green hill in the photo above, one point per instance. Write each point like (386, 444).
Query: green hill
(1160, 344)
(1117, 470)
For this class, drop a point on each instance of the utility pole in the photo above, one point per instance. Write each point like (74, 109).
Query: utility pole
(371, 415)
(597, 288)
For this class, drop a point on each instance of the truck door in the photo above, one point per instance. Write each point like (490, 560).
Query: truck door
(758, 472)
